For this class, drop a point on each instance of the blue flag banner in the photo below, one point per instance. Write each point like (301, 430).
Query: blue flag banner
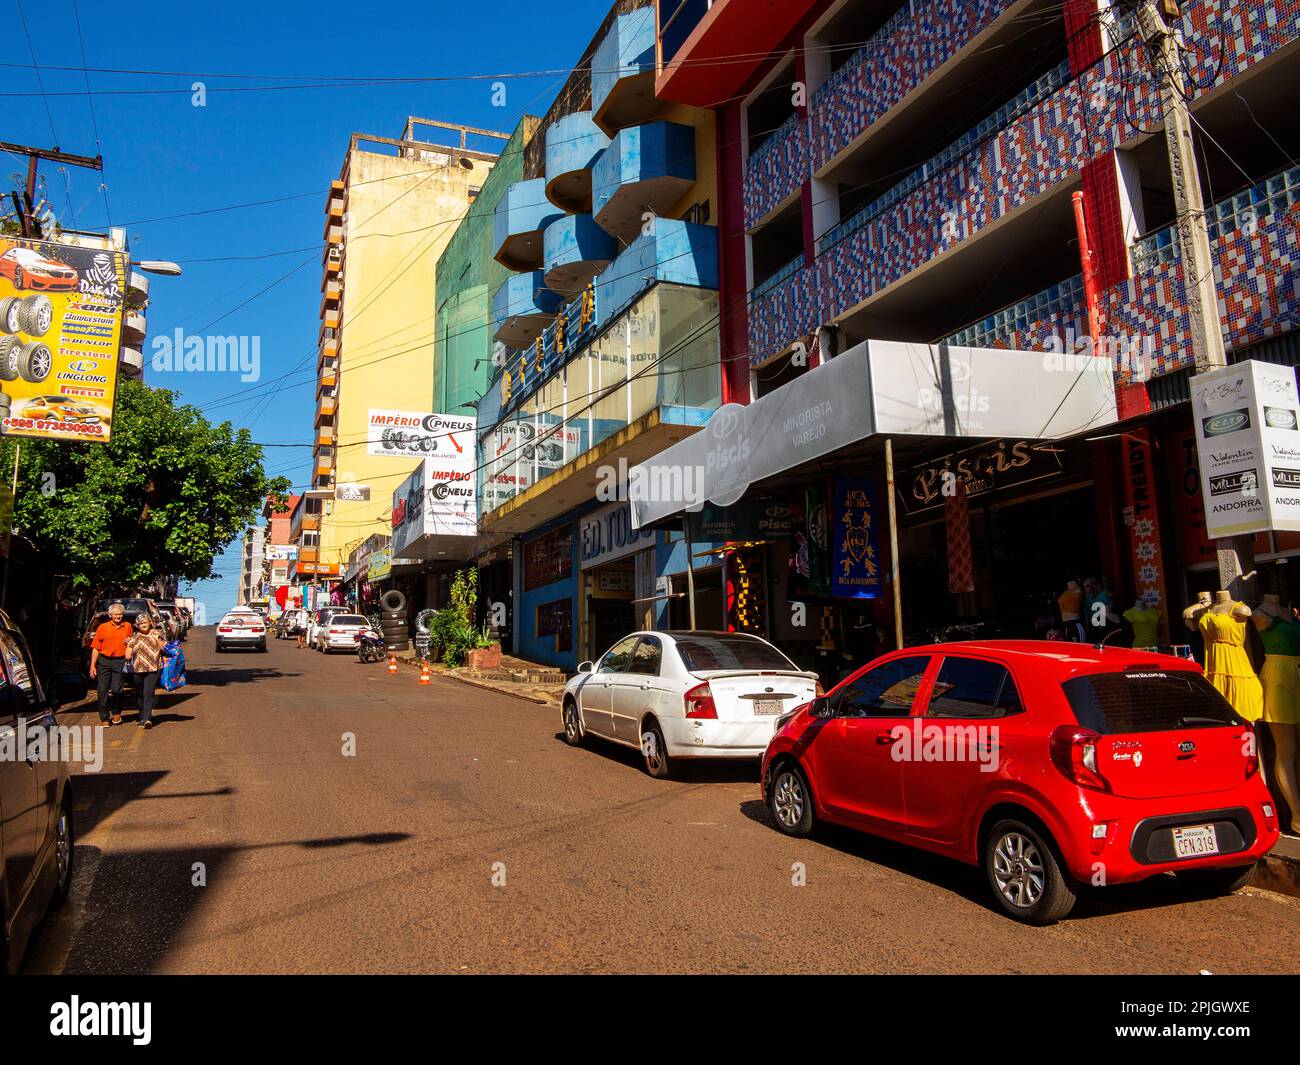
(855, 572)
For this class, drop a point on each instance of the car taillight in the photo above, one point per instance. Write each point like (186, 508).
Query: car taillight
(224, 628)
(699, 702)
(1074, 751)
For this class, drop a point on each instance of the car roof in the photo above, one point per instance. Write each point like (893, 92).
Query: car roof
(1060, 658)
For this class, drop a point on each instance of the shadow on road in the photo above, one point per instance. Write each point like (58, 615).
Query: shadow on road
(685, 770)
(219, 677)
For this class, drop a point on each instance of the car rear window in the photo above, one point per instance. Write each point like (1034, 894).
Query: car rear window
(1147, 701)
(730, 652)
(348, 619)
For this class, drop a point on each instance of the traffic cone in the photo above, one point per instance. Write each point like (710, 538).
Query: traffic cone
(392, 663)
(424, 672)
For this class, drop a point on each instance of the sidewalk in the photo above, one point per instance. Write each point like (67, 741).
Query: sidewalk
(535, 683)
(1280, 869)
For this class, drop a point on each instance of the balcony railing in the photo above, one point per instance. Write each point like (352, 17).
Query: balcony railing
(1003, 117)
(787, 271)
(1239, 211)
(1063, 298)
(772, 140)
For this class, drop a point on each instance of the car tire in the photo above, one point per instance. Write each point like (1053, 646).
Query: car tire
(789, 800)
(63, 851)
(393, 600)
(36, 314)
(11, 319)
(35, 360)
(1024, 874)
(571, 721)
(654, 751)
(9, 348)
(1214, 883)
(19, 277)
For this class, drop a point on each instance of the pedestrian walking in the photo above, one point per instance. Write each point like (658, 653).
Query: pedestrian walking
(108, 662)
(144, 650)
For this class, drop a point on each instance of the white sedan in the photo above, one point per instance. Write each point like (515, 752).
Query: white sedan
(241, 628)
(685, 694)
(339, 633)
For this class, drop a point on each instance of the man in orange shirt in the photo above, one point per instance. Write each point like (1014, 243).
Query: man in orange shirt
(108, 660)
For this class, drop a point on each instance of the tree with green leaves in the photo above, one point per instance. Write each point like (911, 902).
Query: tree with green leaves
(159, 500)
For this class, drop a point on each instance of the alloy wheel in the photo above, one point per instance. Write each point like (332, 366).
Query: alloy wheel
(571, 722)
(650, 748)
(1018, 870)
(788, 799)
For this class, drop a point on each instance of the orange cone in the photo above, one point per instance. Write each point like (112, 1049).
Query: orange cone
(392, 664)
(424, 672)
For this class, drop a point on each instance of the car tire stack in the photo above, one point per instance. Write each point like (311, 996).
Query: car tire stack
(392, 620)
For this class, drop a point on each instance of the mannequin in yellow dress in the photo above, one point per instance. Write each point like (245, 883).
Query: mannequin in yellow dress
(1279, 628)
(1227, 667)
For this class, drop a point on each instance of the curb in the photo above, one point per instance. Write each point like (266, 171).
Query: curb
(414, 665)
(1279, 869)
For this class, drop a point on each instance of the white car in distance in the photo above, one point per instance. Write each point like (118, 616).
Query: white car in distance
(340, 633)
(241, 628)
(685, 694)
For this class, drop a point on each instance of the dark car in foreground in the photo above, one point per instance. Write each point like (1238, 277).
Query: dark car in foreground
(1049, 764)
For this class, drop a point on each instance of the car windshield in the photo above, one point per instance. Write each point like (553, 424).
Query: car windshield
(348, 619)
(133, 606)
(725, 651)
(1148, 700)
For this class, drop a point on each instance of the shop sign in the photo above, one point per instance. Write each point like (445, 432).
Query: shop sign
(1143, 521)
(607, 534)
(61, 311)
(1247, 424)
(980, 471)
(750, 520)
(281, 552)
(439, 498)
(352, 493)
(855, 562)
(617, 580)
(412, 434)
(380, 566)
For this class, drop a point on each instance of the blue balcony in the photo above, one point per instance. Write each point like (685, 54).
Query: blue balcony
(576, 250)
(522, 213)
(623, 72)
(573, 143)
(681, 253)
(645, 169)
(521, 308)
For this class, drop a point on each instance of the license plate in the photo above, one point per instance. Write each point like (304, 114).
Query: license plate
(768, 706)
(1195, 842)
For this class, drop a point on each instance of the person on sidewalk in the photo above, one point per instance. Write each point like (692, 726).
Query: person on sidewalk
(107, 662)
(144, 651)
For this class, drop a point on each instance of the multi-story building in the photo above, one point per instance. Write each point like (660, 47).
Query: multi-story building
(906, 172)
(279, 547)
(609, 325)
(387, 219)
(252, 571)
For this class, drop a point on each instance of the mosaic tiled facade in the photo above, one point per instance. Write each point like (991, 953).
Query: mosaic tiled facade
(1048, 145)
(777, 170)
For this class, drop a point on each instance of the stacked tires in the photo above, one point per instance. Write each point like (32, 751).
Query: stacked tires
(392, 620)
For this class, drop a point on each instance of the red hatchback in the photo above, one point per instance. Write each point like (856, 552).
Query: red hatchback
(1049, 764)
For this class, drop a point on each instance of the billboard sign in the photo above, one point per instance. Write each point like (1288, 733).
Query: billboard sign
(1247, 423)
(440, 498)
(405, 434)
(60, 333)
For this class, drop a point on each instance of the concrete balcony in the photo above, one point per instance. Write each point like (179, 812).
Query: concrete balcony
(330, 318)
(645, 169)
(130, 362)
(134, 328)
(326, 406)
(682, 253)
(521, 309)
(576, 250)
(522, 213)
(623, 72)
(573, 144)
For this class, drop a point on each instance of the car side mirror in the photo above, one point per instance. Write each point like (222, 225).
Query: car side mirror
(821, 707)
(586, 667)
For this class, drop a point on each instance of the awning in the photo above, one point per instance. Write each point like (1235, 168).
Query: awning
(877, 388)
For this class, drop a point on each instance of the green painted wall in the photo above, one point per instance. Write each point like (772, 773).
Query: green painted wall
(467, 277)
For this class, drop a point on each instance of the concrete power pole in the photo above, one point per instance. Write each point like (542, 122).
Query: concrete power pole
(1158, 25)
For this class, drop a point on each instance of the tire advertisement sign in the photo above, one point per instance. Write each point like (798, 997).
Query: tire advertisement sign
(60, 333)
(1247, 423)
(405, 434)
(439, 499)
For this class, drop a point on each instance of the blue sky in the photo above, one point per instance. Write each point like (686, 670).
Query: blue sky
(164, 156)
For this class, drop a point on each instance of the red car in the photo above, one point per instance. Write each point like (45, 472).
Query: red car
(28, 269)
(1049, 764)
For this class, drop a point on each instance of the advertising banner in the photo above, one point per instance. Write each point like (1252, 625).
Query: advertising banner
(439, 499)
(351, 492)
(1247, 423)
(408, 434)
(380, 566)
(856, 561)
(60, 333)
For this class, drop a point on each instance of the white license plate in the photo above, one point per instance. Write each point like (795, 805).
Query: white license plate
(768, 706)
(1195, 842)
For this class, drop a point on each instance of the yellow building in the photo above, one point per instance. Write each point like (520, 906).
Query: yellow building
(387, 219)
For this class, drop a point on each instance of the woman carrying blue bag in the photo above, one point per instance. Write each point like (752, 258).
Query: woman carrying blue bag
(145, 651)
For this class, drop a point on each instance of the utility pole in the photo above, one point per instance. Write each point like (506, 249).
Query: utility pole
(54, 155)
(1158, 25)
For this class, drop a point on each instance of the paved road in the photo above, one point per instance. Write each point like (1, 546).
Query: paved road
(384, 860)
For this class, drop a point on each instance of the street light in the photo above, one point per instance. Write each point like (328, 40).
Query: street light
(159, 266)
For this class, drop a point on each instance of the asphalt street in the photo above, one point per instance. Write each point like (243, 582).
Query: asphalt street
(299, 813)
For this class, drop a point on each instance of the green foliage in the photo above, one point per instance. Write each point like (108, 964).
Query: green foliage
(452, 628)
(161, 499)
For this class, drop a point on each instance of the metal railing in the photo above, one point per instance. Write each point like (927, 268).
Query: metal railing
(769, 283)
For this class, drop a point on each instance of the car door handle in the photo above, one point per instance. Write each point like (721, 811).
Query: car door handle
(885, 737)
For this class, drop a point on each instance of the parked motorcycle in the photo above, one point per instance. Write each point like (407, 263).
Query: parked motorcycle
(370, 646)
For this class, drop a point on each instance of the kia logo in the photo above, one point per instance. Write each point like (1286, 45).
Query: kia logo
(1187, 746)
